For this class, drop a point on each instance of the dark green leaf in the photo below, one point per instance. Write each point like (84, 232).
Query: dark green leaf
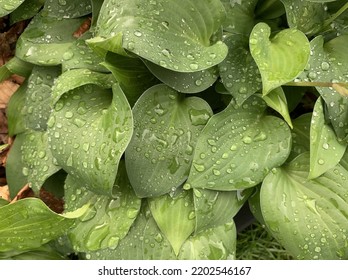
(8, 6)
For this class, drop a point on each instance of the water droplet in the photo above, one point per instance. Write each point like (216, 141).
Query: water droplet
(317, 249)
(253, 41)
(247, 140)
(25, 171)
(165, 24)
(199, 167)
(69, 115)
(199, 117)
(198, 82)
(192, 215)
(312, 75)
(132, 213)
(325, 66)
(216, 172)
(130, 46)
(68, 55)
(166, 52)
(233, 148)
(138, 33)
(211, 142)
(321, 161)
(85, 146)
(194, 66)
(325, 146)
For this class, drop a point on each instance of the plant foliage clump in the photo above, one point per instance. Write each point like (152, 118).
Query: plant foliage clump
(156, 121)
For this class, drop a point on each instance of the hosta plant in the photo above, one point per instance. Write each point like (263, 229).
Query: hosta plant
(156, 121)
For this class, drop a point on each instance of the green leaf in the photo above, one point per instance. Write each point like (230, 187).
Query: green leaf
(269, 9)
(79, 77)
(215, 208)
(144, 241)
(107, 220)
(9, 6)
(239, 16)
(173, 34)
(39, 96)
(27, 10)
(29, 223)
(39, 163)
(46, 39)
(281, 58)
(18, 66)
(15, 177)
(166, 127)
(217, 243)
(239, 72)
(16, 111)
(325, 150)
(300, 135)
(276, 99)
(81, 56)
(131, 73)
(44, 252)
(238, 147)
(175, 216)
(184, 82)
(3, 202)
(67, 8)
(305, 16)
(89, 129)
(327, 65)
(308, 217)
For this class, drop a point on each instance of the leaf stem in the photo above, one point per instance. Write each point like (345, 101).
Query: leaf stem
(335, 16)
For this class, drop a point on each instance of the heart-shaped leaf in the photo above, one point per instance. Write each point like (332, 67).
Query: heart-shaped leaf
(164, 32)
(239, 72)
(238, 147)
(166, 127)
(175, 216)
(280, 59)
(308, 217)
(29, 223)
(89, 130)
(325, 150)
(108, 219)
(305, 16)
